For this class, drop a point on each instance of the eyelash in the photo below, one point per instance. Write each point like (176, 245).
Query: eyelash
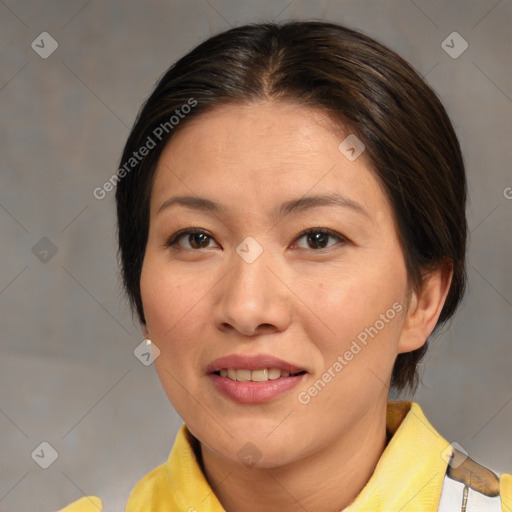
(174, 239)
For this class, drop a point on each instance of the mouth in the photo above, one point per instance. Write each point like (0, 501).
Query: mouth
(254, 379)
(262, 375)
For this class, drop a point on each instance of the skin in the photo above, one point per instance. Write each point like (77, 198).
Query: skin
(299, 301)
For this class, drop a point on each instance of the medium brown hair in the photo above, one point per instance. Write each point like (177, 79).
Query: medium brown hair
(361, 84)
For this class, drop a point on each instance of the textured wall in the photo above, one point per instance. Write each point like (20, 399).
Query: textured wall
(68, 375)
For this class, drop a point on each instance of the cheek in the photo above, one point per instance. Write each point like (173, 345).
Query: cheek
(362, 309)
(173, 310)
(172, 307)
(352, 299)
(166, 297)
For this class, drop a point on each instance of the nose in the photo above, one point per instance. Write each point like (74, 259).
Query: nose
(253, 298)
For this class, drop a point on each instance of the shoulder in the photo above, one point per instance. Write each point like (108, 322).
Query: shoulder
(472, 487)
(151, 490)
(85, 504)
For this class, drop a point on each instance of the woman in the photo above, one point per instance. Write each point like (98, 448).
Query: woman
(291, 222)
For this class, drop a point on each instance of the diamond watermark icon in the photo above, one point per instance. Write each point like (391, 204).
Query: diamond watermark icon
(44, 45)
(351, 147)
(44, 455)
(44, 250)
(249, 250)
(146, 352)
(249, 454)
(454, 45)
(454, 455)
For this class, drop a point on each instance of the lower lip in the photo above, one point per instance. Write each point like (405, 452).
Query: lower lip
(254, 392)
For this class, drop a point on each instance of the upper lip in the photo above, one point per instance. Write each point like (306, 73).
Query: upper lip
(253, 362)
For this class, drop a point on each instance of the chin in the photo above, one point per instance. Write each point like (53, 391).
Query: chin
(253, 451)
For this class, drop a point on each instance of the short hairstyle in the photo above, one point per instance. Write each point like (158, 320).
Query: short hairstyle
(362, 85)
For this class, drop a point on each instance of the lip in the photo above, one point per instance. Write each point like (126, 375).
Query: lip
(254, 362)
(253, 392)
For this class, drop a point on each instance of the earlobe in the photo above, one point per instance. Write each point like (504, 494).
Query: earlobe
(145, 331)
(424, 309)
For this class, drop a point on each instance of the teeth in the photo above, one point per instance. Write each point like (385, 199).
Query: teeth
(243, 375)
(274, 373)
(259, 375)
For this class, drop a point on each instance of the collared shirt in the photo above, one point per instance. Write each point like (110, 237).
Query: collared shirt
(410, 475)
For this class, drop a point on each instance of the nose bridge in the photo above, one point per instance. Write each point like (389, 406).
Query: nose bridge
(252, 295)
(251, 277)
(250, 270)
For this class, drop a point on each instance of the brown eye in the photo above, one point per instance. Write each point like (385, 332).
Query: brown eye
(198, 240)
(190, 239)
(319, 238)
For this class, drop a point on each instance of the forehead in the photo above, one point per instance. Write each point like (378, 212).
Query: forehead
(257, 155)
(271, 130)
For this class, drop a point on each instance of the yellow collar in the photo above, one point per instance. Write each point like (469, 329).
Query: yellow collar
(408, 477)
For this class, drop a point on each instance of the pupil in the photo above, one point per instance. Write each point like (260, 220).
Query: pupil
(198, 240)
(318, 239)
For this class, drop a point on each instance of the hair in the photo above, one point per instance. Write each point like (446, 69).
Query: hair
(362, 85)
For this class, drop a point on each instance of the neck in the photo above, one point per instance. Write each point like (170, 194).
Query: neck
(326, 481)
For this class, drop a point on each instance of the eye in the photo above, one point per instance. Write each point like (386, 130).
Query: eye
(317, 238)
(195, 238)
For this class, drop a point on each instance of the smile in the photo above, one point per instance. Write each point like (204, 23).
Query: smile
(253, 378)
(263, 375)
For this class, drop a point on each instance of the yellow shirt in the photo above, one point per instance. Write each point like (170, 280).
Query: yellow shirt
(408, 477)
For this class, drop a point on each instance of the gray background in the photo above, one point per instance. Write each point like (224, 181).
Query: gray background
(68, 374)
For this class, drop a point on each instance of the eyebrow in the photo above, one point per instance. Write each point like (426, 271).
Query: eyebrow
(286, 208)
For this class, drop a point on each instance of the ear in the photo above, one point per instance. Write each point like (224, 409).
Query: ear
(145, 331)
(425, 306)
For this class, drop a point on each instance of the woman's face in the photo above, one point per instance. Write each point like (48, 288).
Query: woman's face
(292, 264)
